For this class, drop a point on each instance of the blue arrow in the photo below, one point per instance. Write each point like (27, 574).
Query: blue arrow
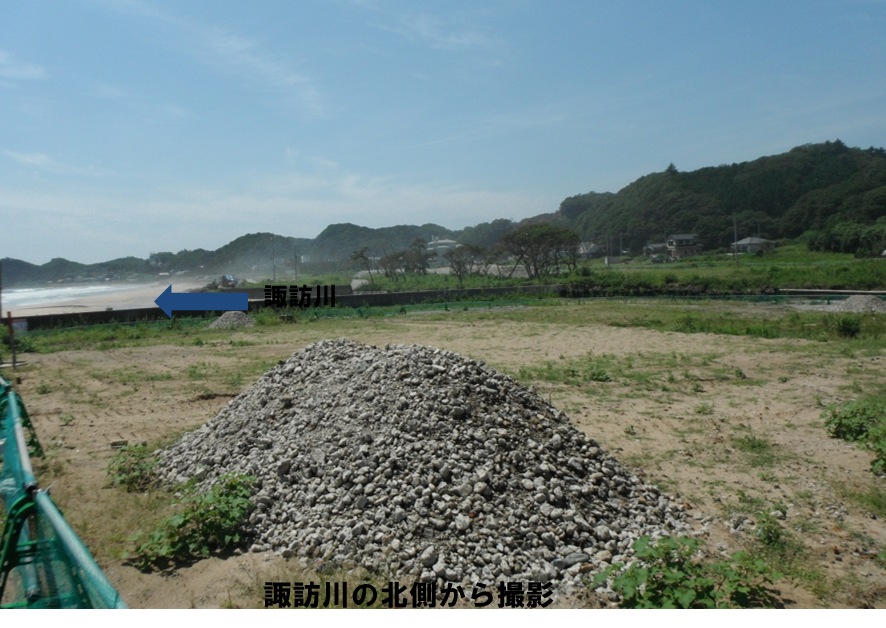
(169, 301)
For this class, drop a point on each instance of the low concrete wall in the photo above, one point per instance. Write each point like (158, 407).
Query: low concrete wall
(256, 294)
(381, 299)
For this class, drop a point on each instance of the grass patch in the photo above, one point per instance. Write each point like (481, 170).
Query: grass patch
(779, 547)
(872, 499)
(761, 452)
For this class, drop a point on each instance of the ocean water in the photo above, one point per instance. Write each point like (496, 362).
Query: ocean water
(18, 298)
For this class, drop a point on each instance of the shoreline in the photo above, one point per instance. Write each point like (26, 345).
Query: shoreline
(126, 298)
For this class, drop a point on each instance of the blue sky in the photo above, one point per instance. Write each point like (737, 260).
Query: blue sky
(131, 126)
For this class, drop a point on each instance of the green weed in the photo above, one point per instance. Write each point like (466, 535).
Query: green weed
(665, 575)
(862, 421)
(206, 523)
(760, 450)
(131, 469)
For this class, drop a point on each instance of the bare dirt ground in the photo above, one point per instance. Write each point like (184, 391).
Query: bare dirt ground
(730, 424)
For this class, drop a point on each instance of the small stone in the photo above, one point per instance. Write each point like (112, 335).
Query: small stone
(428, 557)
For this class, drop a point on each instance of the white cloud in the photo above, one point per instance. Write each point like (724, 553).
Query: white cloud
(47, 163)
(436, 33)
(10, 68)
(174, 111)
(290, 204)
(454, 32)
(111, 93)
(229, 53)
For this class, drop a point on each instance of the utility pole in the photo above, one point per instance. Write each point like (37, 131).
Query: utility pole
(273, 257)
(608, 250)
(11, 338)
(735, 242)
(295, 261)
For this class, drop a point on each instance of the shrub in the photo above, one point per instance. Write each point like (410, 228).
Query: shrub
(207, 522)
(853, 421)
(267, 316)
(23, 343)
(596, 373)
(861, 421)
(131, 468)
(845, 325)
(666, 576)
(770, 532)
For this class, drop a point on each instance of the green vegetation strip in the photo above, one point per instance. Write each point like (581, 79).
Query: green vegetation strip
(862, 421)
(666, 575)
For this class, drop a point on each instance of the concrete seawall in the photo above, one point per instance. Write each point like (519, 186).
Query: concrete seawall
(256, 302)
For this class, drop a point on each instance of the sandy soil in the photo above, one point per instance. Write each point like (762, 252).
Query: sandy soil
(129, 297)
(674, 410)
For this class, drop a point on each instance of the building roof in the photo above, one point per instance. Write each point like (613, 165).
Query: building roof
(752, 240)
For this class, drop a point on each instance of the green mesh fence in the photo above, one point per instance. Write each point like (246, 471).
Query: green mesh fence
(43, 564)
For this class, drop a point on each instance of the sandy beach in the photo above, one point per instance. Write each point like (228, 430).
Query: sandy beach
(119, 297)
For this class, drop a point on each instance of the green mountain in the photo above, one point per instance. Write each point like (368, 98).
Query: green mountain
(832, 195)
(811, 188)
(337, 242)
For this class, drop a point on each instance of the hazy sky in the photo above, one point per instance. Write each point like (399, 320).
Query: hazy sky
(131, 126)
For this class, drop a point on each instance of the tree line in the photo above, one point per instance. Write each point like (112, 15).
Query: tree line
(540, 249)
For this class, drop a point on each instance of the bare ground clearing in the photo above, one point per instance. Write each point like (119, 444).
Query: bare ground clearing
(731, 424)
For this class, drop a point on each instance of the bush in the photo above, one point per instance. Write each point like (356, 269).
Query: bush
(845, 325)
(23, 343)
(855, 420)
(208, 522)
(861, 421)
(596, 373)
(131, 468)
(666, 576)
(267, 316)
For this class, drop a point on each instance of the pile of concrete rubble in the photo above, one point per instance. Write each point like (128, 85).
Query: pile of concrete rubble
(863, 304)
(421, 463)
(232, 319)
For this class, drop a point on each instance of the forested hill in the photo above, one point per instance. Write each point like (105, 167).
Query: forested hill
(833, 195)
(339, 241)
(252, 255)
(811, 188)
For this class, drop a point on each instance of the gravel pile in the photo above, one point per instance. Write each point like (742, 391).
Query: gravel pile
(863, 303)
(232, 319)
(420, 463)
